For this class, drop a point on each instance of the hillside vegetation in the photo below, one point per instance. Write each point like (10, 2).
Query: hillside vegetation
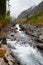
(36, 19)
(30, 15)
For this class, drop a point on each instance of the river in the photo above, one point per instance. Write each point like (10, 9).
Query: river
(22, 48)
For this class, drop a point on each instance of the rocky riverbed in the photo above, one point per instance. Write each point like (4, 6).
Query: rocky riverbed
(35, 31)
(19, 45)
(6, 57)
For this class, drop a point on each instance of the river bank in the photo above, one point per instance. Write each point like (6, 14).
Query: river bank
(35, 31)
(6, 57)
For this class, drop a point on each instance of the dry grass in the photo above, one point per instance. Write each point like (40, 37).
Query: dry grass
(38, 20)
(2, 52)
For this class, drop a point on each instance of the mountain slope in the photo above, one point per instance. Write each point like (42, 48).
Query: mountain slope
(31, 11)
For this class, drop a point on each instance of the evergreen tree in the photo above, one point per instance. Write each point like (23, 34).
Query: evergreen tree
(2, 7)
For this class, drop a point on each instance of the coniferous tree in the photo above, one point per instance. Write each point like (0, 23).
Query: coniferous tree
(2, 7)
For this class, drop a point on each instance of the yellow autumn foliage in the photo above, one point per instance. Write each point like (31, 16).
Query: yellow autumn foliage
(3, 34)
(2, 52)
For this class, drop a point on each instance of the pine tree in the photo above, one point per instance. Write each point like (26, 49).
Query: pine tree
(2, 7)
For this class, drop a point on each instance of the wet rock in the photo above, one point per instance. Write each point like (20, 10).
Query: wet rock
(10, 46)
(38, 40)
(39, 46)
(4, 41)
(23, 27)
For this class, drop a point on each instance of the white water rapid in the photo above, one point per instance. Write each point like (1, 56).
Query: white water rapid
(20, 48)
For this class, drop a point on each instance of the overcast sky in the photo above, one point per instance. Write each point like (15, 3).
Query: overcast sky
(17, 6)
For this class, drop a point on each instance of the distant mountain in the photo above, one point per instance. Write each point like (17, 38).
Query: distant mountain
(31, 11)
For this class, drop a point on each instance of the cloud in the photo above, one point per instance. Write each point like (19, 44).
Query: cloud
(17, 6)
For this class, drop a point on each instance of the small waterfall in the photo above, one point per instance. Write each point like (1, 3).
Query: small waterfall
(18, 28)
(24, 53)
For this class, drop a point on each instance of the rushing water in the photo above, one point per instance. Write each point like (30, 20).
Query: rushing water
(25, 53)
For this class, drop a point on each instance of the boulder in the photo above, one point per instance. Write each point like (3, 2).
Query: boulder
(2, 62)
(41, 37)
(39, 46)
(34, 34)
(23, 27)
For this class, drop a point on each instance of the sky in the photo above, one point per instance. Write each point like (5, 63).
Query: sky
(17, 6)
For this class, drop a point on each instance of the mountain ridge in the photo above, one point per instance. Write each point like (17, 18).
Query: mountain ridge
(31, 11)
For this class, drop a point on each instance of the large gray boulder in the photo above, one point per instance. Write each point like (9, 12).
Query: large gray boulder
(41, 37)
